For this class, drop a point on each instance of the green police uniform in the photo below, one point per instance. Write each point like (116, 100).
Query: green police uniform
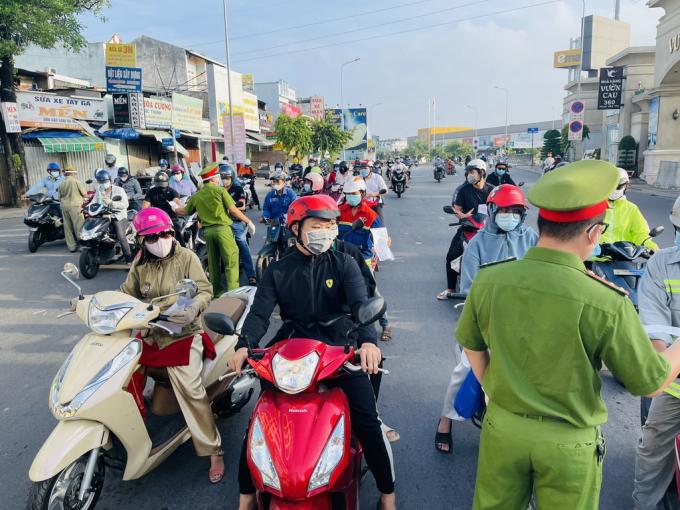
(212, 204)
(549, 325)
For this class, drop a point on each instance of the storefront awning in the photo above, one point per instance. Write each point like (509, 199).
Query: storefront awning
(120, 134)
(71, 144)
(180, 148)
(158, 135)
(257, 139)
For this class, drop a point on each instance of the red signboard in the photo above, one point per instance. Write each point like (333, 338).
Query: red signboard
(290, 110)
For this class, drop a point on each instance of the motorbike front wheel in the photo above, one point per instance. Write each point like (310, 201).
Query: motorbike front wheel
(89, 265)
(61, 491)
(262, 265)
(35, 239)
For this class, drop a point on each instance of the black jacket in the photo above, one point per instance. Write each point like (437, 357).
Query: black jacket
(308, 290)
(496, 180)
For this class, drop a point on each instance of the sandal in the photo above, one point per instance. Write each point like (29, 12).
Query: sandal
(389, 430)
(386, 335)
(444, 295)
(441, 438)
(215, 475)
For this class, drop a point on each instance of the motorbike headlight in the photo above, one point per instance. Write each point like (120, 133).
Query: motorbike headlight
(259, 453)
(104, 321)
(124, 357)
(294, 376)
(330, 457)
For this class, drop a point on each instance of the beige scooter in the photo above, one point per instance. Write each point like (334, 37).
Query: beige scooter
(112, 410)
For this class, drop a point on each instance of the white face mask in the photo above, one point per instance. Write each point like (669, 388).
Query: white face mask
(103, 187)
(320, 241)
(160, 248)
(616, 194)
(277, 187)
(177, 177)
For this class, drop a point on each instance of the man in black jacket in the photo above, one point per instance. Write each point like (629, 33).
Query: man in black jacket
(311, 285)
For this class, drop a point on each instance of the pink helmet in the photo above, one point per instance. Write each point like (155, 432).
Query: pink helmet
(316, 180)
(151, 221)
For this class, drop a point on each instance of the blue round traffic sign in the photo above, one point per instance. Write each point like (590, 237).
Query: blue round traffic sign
(575, 126)
(577, 107)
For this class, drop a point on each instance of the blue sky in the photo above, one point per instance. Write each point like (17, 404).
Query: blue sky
(474, 47)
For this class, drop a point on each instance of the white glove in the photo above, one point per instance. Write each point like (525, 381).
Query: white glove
(251, 228)
(107, 202)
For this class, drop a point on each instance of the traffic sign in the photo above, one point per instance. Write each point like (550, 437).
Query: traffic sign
(575, 130)
(532, 130)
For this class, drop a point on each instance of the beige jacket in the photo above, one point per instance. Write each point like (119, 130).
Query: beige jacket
(72, 192)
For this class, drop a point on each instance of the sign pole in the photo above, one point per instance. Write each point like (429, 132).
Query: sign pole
(231, 109)
(532, 148)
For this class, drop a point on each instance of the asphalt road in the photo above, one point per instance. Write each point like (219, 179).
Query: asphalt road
(34, 344)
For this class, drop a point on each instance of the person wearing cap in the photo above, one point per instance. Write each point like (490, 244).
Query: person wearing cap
(162, 196)
(659, 306)
(501, 175)
(538, 356)
(216, 209)
(132, 188)
(278, 200)
(180, 182)
(49, 184)
(626, 222)
(72, 193)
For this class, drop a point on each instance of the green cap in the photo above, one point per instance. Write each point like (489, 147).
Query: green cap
(575, 192)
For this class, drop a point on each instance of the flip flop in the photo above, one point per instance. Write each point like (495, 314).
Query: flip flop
(386, 429)
(386, 335)
(443, 438)
(444, 295)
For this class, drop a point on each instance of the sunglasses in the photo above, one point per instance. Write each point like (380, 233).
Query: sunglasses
(153, 238)
(603, 224)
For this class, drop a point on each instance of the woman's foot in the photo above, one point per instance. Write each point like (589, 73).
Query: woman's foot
(388, 502)
(445, 294)
(216, 472)
(443, 441)
(391, 434)
(247, 502)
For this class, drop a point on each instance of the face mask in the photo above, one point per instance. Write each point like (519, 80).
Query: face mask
(160, 248)
(227, 183)
(320, 241)
(277, 187)
(500, 171)
(163, 184)
(507, 221)
(124, 178)
(54, 174)
(473, 179)
(364, 173)
(102, 187)
(307, 188)
(616, 194)
(353, 200)
(597, 250)
(177, 177)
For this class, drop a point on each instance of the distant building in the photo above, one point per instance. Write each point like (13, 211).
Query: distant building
(279, 96)
(392, 144)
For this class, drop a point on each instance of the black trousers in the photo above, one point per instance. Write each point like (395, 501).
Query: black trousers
(455, 250)
(120, 226)
(365, 426)
(256, 199)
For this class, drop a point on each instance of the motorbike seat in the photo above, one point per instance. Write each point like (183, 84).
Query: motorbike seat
(231, 306)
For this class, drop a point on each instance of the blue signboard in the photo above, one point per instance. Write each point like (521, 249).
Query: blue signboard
(167, 142)
(123, 79)
(532, 130)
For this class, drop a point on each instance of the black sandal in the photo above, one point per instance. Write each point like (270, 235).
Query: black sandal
(443, 438)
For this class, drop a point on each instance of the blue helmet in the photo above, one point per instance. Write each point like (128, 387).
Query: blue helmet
(163, 162)
(226, 171)
(53, 166)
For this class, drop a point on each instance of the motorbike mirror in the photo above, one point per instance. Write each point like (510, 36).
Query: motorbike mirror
(371, 310)
(117, 198)
(188, 287)
(219, 323)
(520, 184)
(448, 209)
(71, 269)
(656, 231)
(89, 181)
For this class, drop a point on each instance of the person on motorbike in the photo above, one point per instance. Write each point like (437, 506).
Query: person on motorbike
(659, 305)
(163, 165)
(161, 263)
(104, 195)
(375, 186)
(181, 183)
(626, 222)
(50, 183)
(311, 285)
(111, 166)
(466, 202)
(162, 196)
(399, 165)
(278, 167)
(246, 170)
(501, 175)
(278, 200)
(548, 162)
(238, 227)
(314, 184)
(132, 188)
(504, 236)
(311, 163)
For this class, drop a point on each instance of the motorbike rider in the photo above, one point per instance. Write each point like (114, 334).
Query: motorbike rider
(50, 183)
(399, 164)
(278, 200)
(111, 166)
(104, 195)
(180, 182)
(311, 163)
(311, 285)
(131, 186)
(314, 184)
(504, 236)
(161, 263)
(659, 304)
(163, 165)
(162, 196)
(375, 186)
(548, 162)
(72, 192)
(467, 201)
(239, 227)
(246, 170)
(626, 222)
(501, 175)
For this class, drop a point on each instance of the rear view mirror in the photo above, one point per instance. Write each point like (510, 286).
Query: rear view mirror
(520, 184)
(117, 198)
(71, 269)
(219, 323)
(371, 310)
(448, 209)
(656, 231)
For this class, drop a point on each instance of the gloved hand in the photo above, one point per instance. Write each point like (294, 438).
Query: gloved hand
(185, 316)
(107, 201)
(251, 228)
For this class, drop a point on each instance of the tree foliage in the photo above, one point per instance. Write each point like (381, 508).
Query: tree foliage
(552, 142)
(328, 136)
(455, 149)
(294, 135)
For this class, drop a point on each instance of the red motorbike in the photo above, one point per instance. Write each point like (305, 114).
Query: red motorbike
(300, 449)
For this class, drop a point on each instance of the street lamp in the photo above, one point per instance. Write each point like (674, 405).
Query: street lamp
(507, 103)
(342, 102)
(231, 111)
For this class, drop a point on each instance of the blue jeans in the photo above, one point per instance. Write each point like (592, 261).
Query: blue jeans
(240, 230)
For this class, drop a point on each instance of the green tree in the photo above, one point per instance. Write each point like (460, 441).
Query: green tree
(46, 23)
(455, 148)
(552, 142)
(418, 149)
(294, 135)
(328, 136)
(565, 142)
(627, 154)
(438, 151)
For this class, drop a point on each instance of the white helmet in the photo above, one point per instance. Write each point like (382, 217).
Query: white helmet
(247, 162)
(354, 185)
(623, 176)
(477, 164)
(675, 213)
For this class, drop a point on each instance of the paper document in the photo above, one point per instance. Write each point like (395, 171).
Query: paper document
(180, 304)
(381, 244)
(482, 209)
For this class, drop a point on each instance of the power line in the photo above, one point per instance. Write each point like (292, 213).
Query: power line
(436, 25)
(401, 20)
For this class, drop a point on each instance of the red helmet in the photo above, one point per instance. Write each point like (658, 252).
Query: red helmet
(313, 206)
(507, 195)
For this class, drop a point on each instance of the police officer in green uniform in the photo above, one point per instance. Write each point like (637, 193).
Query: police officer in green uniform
(536, 332)
(214, 207)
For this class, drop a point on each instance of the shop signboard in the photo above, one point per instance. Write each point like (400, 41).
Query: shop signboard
(121, 108)
(356, 121)
(248, 82)
(610, 88)
(239, 149)
(187, 113)
(123, 79)
(266, 121)
(158, 113)
(317, 107)
(10, 115)
(653, 129)
(251, 114)
(121, 55)
(137, 114)
(290, 110)
(40, 109)
(567, 58)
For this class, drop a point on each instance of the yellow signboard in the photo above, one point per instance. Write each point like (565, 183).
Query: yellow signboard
(248, 82)
(567, 58)
(121, 55)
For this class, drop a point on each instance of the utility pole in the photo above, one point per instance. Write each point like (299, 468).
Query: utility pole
(231, 106)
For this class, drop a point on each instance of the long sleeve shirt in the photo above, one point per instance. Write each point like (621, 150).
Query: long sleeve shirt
(659, 291)
(119, 207)
(48, 184)
(276, 204)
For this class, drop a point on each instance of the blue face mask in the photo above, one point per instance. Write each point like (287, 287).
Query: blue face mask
(308, 188)
(500, 171)
(677, 239)
(597, 251)
(364, 173)
(507, 221)
(54, 174)
(353, 200)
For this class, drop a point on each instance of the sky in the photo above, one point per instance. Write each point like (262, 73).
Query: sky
(411, 51)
